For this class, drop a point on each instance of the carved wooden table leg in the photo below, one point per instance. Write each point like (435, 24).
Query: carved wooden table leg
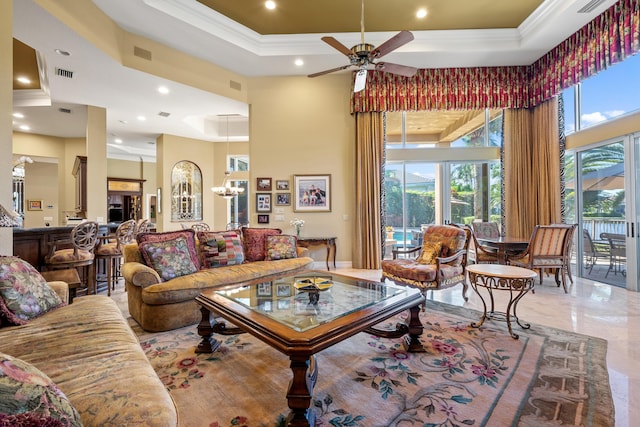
(412, 340)
(305, 373)
(205, 329)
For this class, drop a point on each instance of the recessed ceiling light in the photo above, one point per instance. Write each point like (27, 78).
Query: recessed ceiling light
(23, 80)
(117, 141)
(24, 127)
(142, 118)
(299, 62)
(62, 52)
(269, 4)
(18, 115)
(163, 89)
(421, 13)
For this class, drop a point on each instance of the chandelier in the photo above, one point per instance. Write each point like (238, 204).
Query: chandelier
(227, 190)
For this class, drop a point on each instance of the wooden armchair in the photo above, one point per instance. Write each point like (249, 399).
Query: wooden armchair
(440, 263)
(547, 250)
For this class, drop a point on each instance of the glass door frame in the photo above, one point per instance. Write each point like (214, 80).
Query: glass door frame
(631, 143)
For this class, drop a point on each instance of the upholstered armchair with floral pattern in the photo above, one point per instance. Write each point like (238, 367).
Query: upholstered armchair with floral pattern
(440, 263)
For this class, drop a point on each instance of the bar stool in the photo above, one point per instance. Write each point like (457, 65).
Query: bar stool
(110, 251)
(81, 253)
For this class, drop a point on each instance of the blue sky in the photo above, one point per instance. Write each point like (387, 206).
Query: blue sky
(608, 94)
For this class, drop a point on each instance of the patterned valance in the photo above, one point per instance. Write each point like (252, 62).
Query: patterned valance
(609, 38)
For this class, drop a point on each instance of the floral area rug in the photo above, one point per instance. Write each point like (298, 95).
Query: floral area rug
(468, 376)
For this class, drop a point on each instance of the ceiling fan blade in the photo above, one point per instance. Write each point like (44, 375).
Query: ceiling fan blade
(403, 70)
(337, 45)
(402, 38)
(344, 67)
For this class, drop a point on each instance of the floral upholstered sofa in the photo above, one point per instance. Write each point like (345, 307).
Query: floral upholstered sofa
(71, 365)
(164, 272)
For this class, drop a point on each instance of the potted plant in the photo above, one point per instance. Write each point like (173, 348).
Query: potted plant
(389, 230)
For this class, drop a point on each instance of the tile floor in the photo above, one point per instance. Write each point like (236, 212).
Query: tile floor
(590, 308)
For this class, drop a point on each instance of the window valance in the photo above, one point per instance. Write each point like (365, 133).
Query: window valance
(608, 39)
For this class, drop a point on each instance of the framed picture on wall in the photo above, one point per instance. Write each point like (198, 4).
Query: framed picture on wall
(283, 199)
(263, 184)
(34, 205)
(263, 219)
(263, 202)
(312, 193)
(282, 185)
(264, 289)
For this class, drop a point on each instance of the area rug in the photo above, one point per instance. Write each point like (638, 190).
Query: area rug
(468, 376)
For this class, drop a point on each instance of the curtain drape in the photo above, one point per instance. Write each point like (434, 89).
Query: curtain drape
(531, 168)
(367, 232)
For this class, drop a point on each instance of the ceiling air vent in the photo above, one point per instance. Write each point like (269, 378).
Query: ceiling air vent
(590, 6)
(164, 114)
(142, 53)
(64, 73)
(235, 85)
(64, 110)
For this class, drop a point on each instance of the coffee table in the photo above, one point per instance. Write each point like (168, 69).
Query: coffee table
(301, 322)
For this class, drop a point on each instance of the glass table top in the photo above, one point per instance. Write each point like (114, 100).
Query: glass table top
(307, 300)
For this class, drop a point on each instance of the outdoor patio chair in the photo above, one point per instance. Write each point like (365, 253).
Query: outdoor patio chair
(617, 253)
(440, 263)
(593, 250)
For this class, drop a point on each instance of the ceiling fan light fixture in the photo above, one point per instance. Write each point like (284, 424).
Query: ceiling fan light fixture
(361, 80)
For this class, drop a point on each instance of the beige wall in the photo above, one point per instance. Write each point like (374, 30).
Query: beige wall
(6, 105)
(301, 126)
(40, 184)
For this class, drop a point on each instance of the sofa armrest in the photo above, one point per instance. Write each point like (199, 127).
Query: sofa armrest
(139, 274)
(302, 252)
(60, 288)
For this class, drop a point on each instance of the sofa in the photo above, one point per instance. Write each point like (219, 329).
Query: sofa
(76, 364)
(164, 272)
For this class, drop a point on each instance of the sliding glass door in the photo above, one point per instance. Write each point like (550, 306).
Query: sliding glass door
(605, 182)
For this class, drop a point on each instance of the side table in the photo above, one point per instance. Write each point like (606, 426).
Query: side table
(518, 281)
(329, 242)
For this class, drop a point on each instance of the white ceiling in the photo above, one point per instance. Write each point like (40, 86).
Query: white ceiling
(197, 30)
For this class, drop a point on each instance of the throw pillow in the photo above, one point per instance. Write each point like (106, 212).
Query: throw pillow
(24, 293)
(281, 247)
(171, 254)
(430, 251)
(255, 242)
(27, 394)
(220, 248)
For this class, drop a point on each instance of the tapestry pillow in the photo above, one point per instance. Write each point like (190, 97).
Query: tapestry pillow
(171, 254)
(24, 293)
(220, 248)
(29, 397)
(430, 251)
(281, 247)
(255, 242)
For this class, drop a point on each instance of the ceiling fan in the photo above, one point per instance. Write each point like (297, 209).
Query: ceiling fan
(364, 54)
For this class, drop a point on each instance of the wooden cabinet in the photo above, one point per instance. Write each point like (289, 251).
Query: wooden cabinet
(80, 173)
(32, 244)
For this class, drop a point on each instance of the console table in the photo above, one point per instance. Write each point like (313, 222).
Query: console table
(329, 242)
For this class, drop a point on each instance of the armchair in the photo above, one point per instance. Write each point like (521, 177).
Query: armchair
(547, 250)
(440, 263)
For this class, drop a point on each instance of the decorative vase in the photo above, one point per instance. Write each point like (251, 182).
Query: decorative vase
(298, 232)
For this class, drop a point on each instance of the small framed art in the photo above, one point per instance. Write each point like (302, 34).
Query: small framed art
(34, 205)
(283, 199)
(263, 202)
(283, 290)
(312, 193)
(282, 185)
(263, 219)
(264, 184)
